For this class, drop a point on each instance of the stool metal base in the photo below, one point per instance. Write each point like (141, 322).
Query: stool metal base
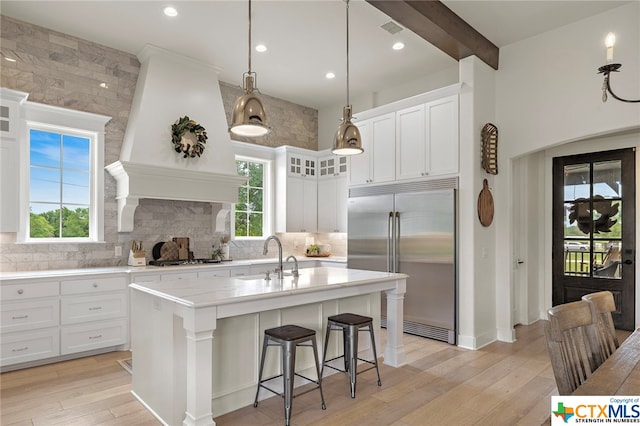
(350, 325)
(288, 337)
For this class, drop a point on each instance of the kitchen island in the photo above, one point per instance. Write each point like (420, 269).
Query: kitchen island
(196, 342)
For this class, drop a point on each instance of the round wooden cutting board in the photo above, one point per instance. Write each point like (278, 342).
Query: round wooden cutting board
(169, 251)
(485, 205)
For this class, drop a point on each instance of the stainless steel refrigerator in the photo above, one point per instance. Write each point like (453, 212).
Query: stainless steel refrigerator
(402, 228)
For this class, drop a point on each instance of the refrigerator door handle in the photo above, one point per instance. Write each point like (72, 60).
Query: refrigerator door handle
(389, 241)
(396, 245)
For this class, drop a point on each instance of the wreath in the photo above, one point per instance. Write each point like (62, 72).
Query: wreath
(188, 137)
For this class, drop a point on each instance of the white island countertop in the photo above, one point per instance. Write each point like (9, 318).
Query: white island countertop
(210, 291)
(175, 324)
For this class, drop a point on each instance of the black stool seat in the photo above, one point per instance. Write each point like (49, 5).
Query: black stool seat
(350, 319)
(350, 324)
(288, 338)
(289, 333)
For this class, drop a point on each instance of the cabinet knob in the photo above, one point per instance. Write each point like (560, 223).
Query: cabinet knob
(95, 285)
(20, 291)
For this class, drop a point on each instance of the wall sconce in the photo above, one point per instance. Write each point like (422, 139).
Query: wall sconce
(610, 67)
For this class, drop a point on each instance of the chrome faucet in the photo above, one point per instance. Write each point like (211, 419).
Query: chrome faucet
(266, 250)
(294, 272)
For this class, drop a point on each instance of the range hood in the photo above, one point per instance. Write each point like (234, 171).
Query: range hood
(171, 86)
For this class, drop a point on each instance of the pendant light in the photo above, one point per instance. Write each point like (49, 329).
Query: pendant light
(248, 117)
(348, 140)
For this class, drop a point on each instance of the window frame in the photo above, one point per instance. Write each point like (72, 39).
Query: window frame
(54, 119)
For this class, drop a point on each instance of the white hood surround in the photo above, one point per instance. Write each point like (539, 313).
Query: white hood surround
(171, 86)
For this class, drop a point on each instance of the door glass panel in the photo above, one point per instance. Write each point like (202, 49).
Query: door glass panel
(607, 176)
(576, 182)
(577, 219)
(577, 257)
(607, 218)
(606, 263)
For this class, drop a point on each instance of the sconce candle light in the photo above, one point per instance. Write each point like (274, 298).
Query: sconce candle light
(610, 67)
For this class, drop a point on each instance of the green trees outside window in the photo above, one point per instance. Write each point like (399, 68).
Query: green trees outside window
(249, 211)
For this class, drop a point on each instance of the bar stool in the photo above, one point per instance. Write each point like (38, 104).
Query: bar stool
(288, 337)
(350, 325)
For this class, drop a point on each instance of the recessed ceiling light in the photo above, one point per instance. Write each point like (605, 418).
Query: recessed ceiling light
(104, 85)
(398, 45)
(170, 11)
(330, 75)
(261, 48)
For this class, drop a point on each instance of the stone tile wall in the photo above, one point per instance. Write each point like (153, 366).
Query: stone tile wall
(57, 69)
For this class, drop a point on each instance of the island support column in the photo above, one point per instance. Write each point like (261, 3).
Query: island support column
(199, 325)
(394, 354)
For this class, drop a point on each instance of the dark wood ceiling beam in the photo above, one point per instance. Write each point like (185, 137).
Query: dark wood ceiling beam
(437, 24)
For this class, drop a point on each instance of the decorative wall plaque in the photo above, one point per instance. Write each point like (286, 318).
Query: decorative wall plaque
(490, 148)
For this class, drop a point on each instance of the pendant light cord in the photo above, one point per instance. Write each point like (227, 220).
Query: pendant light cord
(249, 50)
(347, 1)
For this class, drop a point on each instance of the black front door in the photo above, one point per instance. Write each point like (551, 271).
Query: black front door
(594, 229)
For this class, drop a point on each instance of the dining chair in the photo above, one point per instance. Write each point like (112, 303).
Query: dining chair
(572, 344)
(602, 305)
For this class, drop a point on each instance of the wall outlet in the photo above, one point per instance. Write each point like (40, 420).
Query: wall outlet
(118, 251)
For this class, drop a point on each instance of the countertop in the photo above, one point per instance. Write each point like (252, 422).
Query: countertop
(209, 291)
(54, 273)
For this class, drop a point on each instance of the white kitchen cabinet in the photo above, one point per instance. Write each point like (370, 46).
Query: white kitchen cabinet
(442, 136)
(215, 272)
(296, 208)
(94, 313)
(10, 159)
(29, 315)
(332, 166)
(33, 345)
(411, 148)
(79, 309)
(427, 139)
(332, 204)
(302, 205)
(93, 335)
(377, 163)
(300, 165)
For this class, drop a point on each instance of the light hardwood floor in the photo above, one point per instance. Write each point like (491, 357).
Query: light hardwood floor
(501, 384)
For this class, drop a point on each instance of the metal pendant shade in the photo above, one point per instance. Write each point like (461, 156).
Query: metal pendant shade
(249, 117)
(348, 140)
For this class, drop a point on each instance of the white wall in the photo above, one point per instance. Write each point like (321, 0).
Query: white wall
(476, 243)
(330, 116)
(547, 95)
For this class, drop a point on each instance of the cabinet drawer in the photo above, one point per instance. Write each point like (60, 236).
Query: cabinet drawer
(179, 276)
(77, 309)
(17, 316)
(29, 346)
(29, 290)
(145, 278)
(214, 273)
(85, 337)
(93, 285)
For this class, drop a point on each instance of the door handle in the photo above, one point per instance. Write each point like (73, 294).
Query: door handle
(396, 251)
(628, 262)
(389, 240)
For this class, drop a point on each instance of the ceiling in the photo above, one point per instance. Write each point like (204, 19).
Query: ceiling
(305, 38)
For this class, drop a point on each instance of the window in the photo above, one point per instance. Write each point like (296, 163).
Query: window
(62, 179)
(59, 184)
(250, 217)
